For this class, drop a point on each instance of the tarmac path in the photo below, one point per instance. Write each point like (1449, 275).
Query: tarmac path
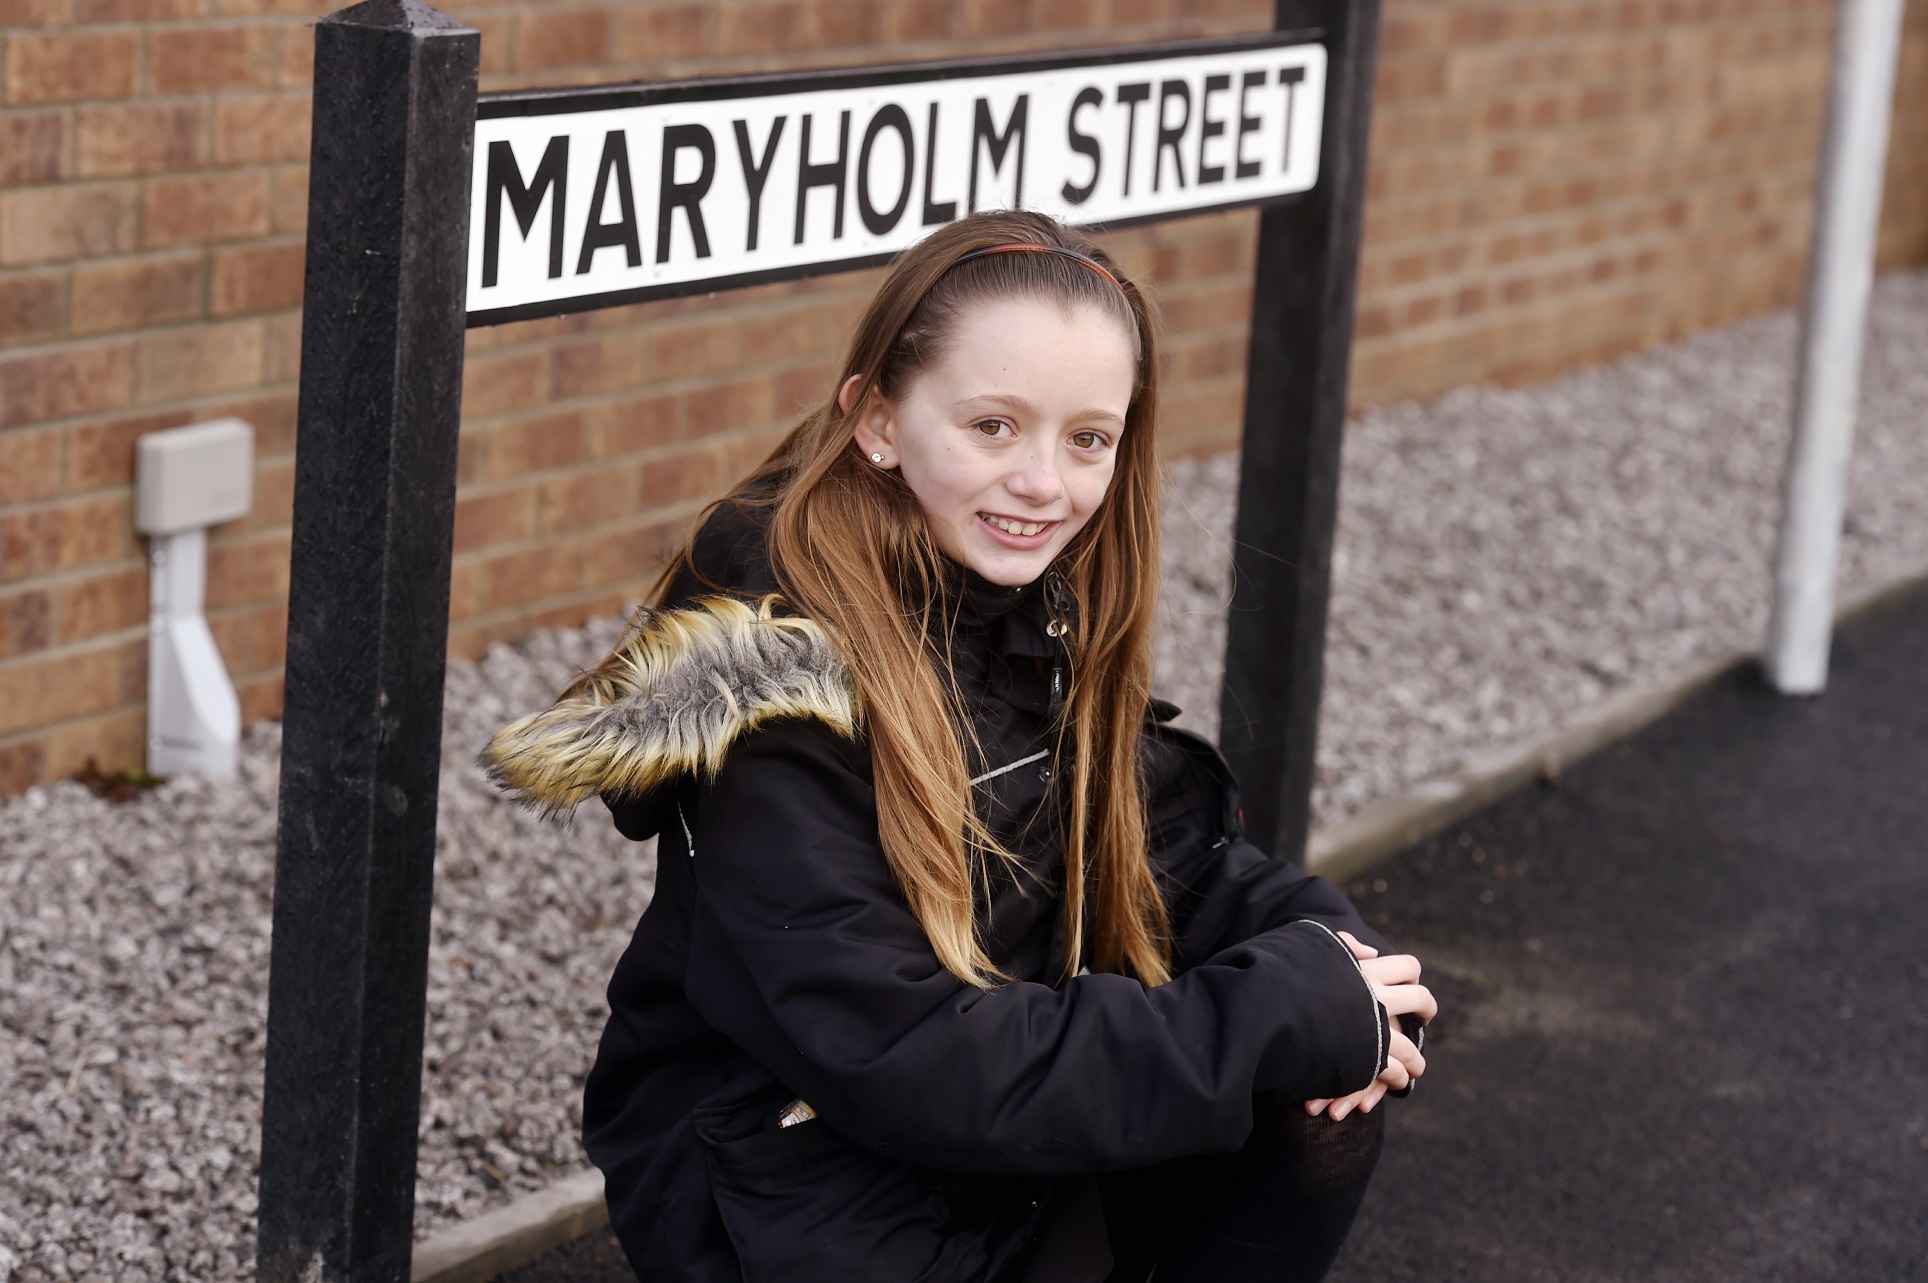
(1684, 1034)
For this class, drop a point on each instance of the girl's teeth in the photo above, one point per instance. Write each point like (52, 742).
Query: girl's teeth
(1016, 527)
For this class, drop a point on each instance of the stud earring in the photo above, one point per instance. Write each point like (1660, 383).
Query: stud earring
(877, 456)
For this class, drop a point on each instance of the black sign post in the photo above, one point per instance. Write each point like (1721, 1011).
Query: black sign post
(580, 199)
(1295, 415)
(368, 599)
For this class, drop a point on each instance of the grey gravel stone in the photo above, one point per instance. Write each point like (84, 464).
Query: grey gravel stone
(1506, 556)
(1503, 558)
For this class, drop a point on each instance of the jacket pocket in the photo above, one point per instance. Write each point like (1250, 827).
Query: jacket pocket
(802, 1204)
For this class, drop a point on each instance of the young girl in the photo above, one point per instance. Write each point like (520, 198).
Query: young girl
(958, 967)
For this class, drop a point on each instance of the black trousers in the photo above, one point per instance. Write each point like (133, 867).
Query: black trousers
(1277, 1210)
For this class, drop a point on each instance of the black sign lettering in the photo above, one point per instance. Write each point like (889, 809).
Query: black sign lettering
(1289, 78)
(624, 232)
(1241, 167)
(891, 117)
(1084, 144)
(756, 175)
(934, 212)
(833, 173)
(1170, 135)
(686, 196)
(1129, 96)
(1039, 133)
(984, 139)
(505, 179)
(1209, 129)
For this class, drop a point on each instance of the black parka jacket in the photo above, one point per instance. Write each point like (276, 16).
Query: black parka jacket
(778, 960)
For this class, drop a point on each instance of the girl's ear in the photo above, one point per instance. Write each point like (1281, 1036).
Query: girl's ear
(875, 432)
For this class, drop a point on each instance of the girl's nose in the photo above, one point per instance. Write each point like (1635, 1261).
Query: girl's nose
(1035, 480)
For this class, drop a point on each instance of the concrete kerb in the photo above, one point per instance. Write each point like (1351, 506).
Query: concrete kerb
(478, 1250)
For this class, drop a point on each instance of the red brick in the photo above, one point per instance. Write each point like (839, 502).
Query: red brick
(274, 496)
(760, 28)
(134, 292)
(589, 499)
(213, 58)
(288, 204)
(262, 127)
(504, 383)
(637, 424)
(547, 38)
(295, 66)
(534, 445)
(84, 532)
(25, 623)
(656, 34)
(35, 13)
(102, 454)
(47, 224)
(38, 386)
(71, 65)
(212, 207)
(114, 741)
(101, 604)
(697, 474)
(141, 139)
(482, 520)
(33, 147)
(257, 278)
(281, 344)
(32, 307)
(272, 415)
(843, 24)
(519, 577)
(104, 11)
(244, 572)
(29, 465)
(171, 364)
(22, 765)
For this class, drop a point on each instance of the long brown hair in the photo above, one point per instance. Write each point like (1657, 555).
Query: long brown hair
(851, 549)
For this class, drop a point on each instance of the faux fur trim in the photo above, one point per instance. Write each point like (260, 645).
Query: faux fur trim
(687, 684)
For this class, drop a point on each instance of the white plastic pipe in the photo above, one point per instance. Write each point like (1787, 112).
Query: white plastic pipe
(185, 480)
(193, 716)
(1847, 216)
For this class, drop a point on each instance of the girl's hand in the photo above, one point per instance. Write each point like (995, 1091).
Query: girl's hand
(1395, 982)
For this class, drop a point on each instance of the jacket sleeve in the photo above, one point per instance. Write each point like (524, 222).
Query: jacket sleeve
(1221, 889)
(804, 953)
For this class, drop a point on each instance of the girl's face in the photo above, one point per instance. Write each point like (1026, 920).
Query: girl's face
(1010, 439)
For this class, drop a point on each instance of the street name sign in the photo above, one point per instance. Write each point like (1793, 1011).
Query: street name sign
(592, 198)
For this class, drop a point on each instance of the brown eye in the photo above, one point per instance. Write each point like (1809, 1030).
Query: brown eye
(1088, 440)
(991, 427)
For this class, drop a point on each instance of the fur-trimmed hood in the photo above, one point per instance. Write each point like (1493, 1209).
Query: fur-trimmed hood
(686, 684)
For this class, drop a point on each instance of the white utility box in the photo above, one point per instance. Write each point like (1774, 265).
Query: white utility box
(187, 479)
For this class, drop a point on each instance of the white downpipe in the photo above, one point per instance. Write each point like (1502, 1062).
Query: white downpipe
(1847, 217)
(193, 716)
(185, 480)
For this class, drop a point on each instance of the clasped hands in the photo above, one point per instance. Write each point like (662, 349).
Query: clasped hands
(1395, 982)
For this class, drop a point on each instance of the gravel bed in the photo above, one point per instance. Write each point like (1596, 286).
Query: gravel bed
(1507, 556)
(1503, 557)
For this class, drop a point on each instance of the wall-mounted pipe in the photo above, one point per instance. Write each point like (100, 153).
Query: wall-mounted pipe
(187, 479)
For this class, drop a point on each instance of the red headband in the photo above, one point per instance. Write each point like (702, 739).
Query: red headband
(1032, 247)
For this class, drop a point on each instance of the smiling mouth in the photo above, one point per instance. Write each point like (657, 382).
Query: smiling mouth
(1012, 526)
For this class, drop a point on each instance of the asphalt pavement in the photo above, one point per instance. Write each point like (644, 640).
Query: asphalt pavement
(1683, 1032)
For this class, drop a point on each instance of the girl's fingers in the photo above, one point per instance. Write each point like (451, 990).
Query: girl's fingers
(1359, 950)
(1403, 1051)
(1395, 1074)
(1409, 1000)
(1374, 1094)
(1316, 1107)
(1395, 969)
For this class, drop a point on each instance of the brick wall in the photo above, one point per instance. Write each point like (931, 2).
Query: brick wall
(1553, 182)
